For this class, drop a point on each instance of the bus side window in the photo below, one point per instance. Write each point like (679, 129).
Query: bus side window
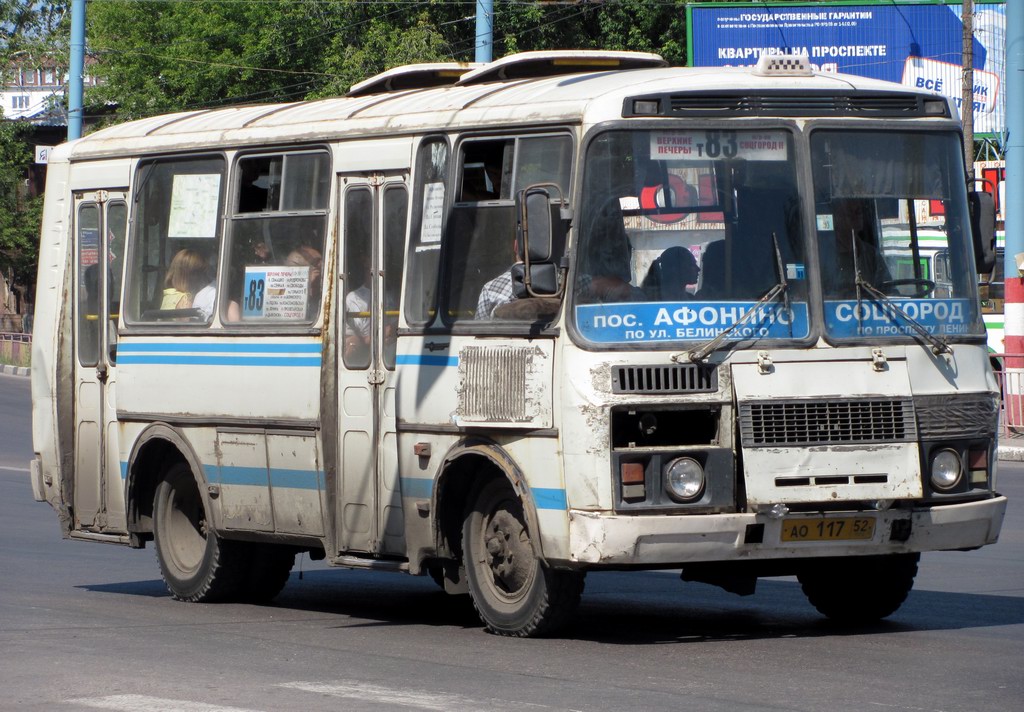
(396, 211)
(358, 303)
(178, 208)
(117, 229)
(88, 283)
(481, 234)
(277, 228)
(428, 222)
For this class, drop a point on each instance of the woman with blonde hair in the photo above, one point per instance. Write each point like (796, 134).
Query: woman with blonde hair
(185, 276)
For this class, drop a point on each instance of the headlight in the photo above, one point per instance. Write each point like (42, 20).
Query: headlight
(684, 479)
(946, 470)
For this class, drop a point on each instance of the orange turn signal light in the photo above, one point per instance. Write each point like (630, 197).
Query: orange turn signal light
(632, 473)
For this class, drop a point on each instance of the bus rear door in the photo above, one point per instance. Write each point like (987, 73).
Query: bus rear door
(101, 219)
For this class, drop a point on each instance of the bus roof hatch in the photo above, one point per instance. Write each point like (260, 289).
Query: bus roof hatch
(412, 76)
(530, 65)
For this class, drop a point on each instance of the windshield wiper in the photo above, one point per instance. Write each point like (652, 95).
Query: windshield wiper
(939, 345)
(781, 288)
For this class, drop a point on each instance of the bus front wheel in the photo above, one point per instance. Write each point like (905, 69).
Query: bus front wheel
(195, 563)
(513, 592)
(859, 589)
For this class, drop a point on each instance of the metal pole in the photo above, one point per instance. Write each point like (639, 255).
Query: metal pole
(1013, 205)
(484, 30)
(967, 87)
(76, 69)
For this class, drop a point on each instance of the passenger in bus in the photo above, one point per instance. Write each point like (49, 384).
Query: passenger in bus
(307, 256)
(851, 248)
(303, 256)
(204, 300)
(494, 294)
(670, 274)
(605, 267)
(358, 326)
(497, 291)
(185, 276)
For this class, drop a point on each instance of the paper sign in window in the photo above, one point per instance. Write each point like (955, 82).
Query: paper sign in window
(433, 212)
(275, 292)
(194, 200)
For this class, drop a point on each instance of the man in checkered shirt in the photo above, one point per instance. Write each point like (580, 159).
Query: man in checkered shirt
(493, 294)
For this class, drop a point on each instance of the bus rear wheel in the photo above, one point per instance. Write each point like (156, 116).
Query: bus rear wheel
(859, 589)
(195, 563)
(514, 593)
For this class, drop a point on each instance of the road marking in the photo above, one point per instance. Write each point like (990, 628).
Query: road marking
(144, 703)
(406, 698)
(382, 695)
(14, 469)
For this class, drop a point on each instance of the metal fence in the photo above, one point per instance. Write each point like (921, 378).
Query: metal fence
(15, 349)
(1011, 404)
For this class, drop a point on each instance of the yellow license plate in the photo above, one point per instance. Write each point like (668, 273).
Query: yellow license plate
(831, 529)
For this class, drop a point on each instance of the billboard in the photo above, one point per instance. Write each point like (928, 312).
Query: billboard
(916, 44)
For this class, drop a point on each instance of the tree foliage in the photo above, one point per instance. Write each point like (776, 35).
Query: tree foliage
(29, 31)
(19, 214)
(156, 57)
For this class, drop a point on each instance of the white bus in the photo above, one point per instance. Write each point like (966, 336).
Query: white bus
(508, 324)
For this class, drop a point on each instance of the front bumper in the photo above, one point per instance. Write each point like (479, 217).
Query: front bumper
(600, 539)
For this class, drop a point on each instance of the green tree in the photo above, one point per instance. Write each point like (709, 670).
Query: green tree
(29, 31)
(20, 215)
(156, 57)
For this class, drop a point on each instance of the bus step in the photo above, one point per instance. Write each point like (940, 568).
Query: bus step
(359, 562)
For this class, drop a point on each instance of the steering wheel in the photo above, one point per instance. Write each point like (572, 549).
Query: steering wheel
(924, 287)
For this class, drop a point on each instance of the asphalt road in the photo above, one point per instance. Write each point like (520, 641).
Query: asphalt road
(90, 626)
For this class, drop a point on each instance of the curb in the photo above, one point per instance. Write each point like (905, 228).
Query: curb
(14, 370)
(1012, 453)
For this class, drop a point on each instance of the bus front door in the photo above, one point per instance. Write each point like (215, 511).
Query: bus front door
(369, 508)
(101, 220)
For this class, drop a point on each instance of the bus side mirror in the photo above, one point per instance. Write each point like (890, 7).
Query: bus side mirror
(535, 227)
(538, 229)
(983, 229)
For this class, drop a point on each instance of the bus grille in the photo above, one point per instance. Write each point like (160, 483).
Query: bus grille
(786, 423)
(678, 378)
(968, 415)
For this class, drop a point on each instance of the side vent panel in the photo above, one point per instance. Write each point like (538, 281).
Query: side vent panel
(504, 385)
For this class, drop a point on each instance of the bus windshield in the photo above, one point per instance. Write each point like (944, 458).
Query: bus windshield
(891, 208)
(688, 232)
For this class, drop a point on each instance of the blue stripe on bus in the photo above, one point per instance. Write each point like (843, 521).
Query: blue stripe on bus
(417, 487)
(426, 360)
(228, 347)
(211, 360)
(543, 497)
(549, 498)
(257, 477)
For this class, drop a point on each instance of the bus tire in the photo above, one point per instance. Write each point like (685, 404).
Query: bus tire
(268, 571)
(513, 592)
(859, 589)
(196, 564)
